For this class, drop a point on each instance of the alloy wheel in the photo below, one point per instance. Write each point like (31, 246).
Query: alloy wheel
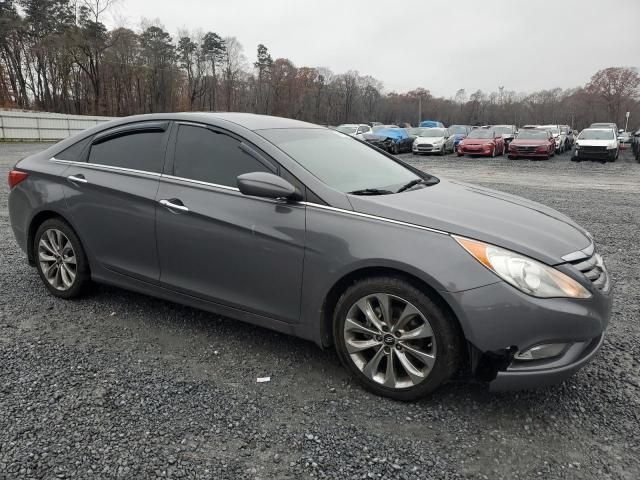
(57, 259)
(389, 340)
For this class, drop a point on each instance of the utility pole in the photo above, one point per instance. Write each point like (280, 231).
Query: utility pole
(626, 124)
(419, 110)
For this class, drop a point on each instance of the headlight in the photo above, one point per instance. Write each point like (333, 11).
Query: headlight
(577, 146)
(611, 147)
(438, 142)
(488, 144)
(527, 275)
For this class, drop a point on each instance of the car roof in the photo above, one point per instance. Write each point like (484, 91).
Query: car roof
(250, 121)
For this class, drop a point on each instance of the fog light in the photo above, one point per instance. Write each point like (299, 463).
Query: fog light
(540, 352)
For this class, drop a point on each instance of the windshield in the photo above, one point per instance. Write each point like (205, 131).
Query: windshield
(457, 129)
(501, 130)
(480, 133)
(596, 135)
(538, 134)
(346, 129)
(554, 131)
(340, 161)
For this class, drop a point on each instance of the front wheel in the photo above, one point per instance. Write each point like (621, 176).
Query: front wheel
(395, 149)
(394, 339)
(60, 259)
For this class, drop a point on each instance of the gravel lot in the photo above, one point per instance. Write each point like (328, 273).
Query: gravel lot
(119, 385)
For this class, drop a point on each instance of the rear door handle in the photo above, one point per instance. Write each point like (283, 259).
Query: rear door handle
(174, 206)
(79, 178)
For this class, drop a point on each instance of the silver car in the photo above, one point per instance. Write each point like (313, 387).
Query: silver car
(314, 233)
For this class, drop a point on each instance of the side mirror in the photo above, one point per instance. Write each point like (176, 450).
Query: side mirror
(267, 185)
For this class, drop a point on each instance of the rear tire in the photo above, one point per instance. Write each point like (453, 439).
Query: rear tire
(429, 355)
(60, 259)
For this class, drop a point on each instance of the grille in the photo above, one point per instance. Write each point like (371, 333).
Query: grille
(425, 146)
(594, 269)
(525, 148)
(593, 149)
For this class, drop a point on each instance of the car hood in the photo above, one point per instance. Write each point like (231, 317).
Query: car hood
(476, 141)
(596, 143)
(529, 141)
(484, 214)
(429, 140)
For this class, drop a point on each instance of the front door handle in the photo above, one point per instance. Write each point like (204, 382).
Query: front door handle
(174, 206)
(79, 178)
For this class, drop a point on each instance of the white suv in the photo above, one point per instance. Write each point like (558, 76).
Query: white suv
(596, 144)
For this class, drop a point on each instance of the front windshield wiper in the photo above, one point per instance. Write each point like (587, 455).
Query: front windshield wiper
(418, 181)
(371, 191)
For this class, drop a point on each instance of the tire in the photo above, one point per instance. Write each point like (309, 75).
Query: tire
(459, 154)
(441, 339)
(395, 149)
(57, 247)
(442, 152)
(493, 152)
(512, 157)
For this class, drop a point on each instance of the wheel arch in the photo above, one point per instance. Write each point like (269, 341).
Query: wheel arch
(37, 220)
(334, 293)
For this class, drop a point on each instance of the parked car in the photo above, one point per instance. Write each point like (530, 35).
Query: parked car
(354, 129)
(431, 140)
(624, 140)
(570, 137)
(482, 141)
(398, 140)
(381, 142)
(508, 133)
(532, 143)
(596, 144)
(559, 137)
(431, 124)
(456, 134)
(298, 228)
(635, 144)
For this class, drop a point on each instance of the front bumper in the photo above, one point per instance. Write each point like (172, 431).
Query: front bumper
(528, 154)
(588, 154)
(472, 151)
(499, 320)
(525, 375)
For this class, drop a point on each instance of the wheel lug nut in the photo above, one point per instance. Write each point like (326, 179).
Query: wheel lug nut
(378, 338)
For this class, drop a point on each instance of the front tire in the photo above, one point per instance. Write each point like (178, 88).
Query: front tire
(395, 340)
(60, 259)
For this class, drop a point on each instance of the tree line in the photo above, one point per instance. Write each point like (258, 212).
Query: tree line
(58, 56)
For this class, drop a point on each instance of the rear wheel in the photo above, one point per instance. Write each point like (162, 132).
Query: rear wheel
(394, 339)
(60, 259)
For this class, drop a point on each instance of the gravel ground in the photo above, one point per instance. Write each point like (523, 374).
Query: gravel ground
(120, 385)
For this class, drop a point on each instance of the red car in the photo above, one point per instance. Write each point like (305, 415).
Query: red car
(533, 143)
(482, 141)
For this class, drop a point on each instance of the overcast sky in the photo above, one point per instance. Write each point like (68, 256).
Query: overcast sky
(523, 45)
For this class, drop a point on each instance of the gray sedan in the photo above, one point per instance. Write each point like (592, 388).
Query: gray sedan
(311, 232)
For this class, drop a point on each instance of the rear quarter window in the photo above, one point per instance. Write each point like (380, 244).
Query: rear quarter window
(76, 152)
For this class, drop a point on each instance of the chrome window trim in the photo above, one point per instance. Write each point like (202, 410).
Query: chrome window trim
(200, 182)
(108, 168)
(374, 217)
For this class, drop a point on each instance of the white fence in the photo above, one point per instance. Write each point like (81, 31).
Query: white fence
(43, 126)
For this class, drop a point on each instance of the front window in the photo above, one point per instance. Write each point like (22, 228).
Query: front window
(480, 133)
(340, 161)
(596, 135)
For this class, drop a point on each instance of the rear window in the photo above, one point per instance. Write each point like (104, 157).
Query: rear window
(138, 151)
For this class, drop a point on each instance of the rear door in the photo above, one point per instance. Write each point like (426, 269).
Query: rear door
(219, 245)
(111, 198)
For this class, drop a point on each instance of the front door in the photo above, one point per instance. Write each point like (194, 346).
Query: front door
(220, 245)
